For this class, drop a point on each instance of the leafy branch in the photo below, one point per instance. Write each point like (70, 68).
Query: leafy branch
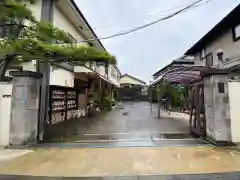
(24, 39)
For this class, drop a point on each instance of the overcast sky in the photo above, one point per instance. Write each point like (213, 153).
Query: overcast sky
(144, 52)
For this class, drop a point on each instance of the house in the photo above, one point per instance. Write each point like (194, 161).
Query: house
(65, 89)
(91, 78)
(131, 88)
(130, 81)
(220, 47)
(66, 15)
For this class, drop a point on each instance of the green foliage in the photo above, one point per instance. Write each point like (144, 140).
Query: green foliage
(33, 40)
(13, 11)
(168, 90)
(107, 103)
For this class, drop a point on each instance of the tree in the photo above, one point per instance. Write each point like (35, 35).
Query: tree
(23, 38)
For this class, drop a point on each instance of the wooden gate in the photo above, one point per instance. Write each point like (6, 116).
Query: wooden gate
(197, 123)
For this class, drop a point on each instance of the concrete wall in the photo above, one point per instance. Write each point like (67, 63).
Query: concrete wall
(61, 77)
(234, 101)
(217, 108)
(129, 80)
(5, 111)
(225, 42)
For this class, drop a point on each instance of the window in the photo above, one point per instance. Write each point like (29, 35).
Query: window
(236, 33)
(221, 87)
(202, 55)
(209, 59)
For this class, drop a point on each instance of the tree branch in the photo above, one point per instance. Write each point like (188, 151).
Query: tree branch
(6, 62)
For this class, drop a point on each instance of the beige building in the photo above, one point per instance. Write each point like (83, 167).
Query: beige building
(223, 38)
(128, 80)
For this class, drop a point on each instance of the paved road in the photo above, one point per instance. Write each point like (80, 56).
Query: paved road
(133, 121)
(220, 176)
(102, 162)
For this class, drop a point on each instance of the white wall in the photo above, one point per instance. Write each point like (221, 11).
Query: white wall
(36, 9)
(101, 70)
(61, 77)
(5, 111)
(234, 101)
(113, 76)
(79, 69)
(225, 42)
(61, 21)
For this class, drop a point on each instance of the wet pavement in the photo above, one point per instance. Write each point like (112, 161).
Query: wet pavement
(127, 143)
(9, 154)
(117, 144)
(218, 176)
(133, 162)
(129, 122)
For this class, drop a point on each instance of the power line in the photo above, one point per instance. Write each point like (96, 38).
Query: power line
(146, 17)
(145, 25)
(143, 17)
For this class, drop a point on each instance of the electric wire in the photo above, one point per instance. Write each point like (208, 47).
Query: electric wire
(145, 25)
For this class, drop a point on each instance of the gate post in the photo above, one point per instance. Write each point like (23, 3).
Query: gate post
(217, 109)
(24, 108)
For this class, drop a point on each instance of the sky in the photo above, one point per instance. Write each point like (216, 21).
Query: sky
(145, 51)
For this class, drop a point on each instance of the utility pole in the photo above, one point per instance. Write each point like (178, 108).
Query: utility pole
(158, 97)
(150, 98)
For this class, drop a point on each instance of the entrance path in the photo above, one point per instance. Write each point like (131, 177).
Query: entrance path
(130, 120)
(124, 161)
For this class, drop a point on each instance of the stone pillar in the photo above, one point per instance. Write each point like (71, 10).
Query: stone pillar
(217, 109)
(24, 108)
